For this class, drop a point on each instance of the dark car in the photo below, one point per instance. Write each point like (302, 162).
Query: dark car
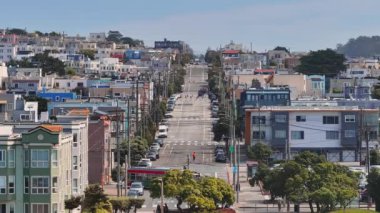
(220, 157)
(152, 156)
(160, 141)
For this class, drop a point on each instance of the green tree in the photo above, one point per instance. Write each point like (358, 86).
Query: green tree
(95, 199)
(362, 46)
(70, 71)
(375, 157)
(282, 49)
(114, 173)
(218, 190)
(256, 84)
(48, 64)
(374, 186)
(260, 152)
(16, 31)
(114, 36)
(177, 184)
(73, 202)
(213, 57)
(322, 62)
(88, 53)
(42, 102)
(136, 203)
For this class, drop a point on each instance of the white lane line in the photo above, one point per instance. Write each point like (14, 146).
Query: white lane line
(165, 146)
(171, 150)
(203, 156)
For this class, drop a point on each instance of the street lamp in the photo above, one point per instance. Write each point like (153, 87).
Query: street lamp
(162, 195)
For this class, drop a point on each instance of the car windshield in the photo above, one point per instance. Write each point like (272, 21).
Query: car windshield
(136, 185)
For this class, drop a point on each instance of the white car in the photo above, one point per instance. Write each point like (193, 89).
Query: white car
(137, 186)
(155, 146)
(145, 162)
(162, 131)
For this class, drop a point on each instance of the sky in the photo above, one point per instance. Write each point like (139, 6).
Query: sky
(299, 25)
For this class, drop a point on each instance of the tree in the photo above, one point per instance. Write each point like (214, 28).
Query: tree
(94, 198)
(256, 84)
(73, 202)
(48, 64)
(42, 102)
(88, 53)
(71, 72)
(136, 203)
(322, 62)
(16, 31)
(260, 152)
(217, 190)
(114, 36)
(177, 184)
(281, 49)
(373, 186)
(213, 57)
(362, 46)
(375, 157)
(114, 173)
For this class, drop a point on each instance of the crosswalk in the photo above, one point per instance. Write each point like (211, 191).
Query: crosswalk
(191, 143)
(193, 118)
(172, 204)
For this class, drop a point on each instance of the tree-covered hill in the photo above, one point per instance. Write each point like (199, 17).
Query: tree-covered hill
(362, 46)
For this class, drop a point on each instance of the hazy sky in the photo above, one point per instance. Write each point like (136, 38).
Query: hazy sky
(300, 25)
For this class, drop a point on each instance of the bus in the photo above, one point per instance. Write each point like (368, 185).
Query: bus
(145, 174)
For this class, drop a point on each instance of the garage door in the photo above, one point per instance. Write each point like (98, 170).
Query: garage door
(348, 156)
(333, 156)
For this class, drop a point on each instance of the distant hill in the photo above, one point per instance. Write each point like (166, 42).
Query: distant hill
(362, 46)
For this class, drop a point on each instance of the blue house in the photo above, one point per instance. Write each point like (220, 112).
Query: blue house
(57, 96)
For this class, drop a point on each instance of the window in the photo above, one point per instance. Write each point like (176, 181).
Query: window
(297, 135)
(349, 133)
(40, 208)
(54, 185)
(280, 133)
(57, 98)
(373, 135)
(3, 162)
(40, 185)
(26, 208)
(30, 85)
(11, 184)
(301, 118)
(68, 84)
(75, 162)
(75, 185)
(11, 158)
(258, 119)
(349, 118)
(75, 140)
(280, 118)
(24, 117)
(54, 158)
(330, 119)
(26, 185)
(332, 135)
(3, 186)
(40, 158)
(54, 208)
(26, 158)
(258, 135)
(11, 208)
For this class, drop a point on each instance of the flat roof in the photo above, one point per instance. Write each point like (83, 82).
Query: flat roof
(310, 109)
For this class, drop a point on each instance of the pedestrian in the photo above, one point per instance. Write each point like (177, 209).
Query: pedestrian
(166, 208)
(193, 156)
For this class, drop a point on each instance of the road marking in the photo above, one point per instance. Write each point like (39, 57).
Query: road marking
(203, 156)
(171, 150)
(165, 146)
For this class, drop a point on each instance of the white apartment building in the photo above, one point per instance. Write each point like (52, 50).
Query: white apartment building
(7, 52)
(69, 83)
(76, 123)
(334, 131)
(97, 37)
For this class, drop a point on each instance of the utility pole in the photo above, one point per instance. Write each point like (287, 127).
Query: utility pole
(368, 163)
(137, 105)
(118, 148)
(126, 176)
(129, 133)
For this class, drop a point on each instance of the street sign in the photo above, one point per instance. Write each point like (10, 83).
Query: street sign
(234, 169)
(232, 148)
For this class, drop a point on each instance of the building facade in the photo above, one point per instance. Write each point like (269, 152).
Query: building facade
(35, 170)
(337, 132)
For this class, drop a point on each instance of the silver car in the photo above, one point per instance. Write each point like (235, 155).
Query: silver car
(137, 186)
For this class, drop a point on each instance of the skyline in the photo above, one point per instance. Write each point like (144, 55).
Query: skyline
(295, 24)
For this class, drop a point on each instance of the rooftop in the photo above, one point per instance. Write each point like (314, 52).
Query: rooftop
(52, 128)
(83, 112)
(311, 109)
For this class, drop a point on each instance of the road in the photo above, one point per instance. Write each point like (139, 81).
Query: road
(190, 131)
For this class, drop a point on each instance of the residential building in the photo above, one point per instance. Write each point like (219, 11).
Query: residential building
(97, 37)
(3, 76)
(15, 108)
(35, 169)
(57, 95)
(258, 97)
(7, 52)
(335, 131)
(99, 150)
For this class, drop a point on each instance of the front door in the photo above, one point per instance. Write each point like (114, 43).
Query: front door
(3, 208)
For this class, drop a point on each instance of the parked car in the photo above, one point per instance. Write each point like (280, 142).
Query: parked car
(137, 186)
(155, 147)
(145, 162)
(132, 194)
(168, 115)
(221, 157)
(160, 141)
(155, 152)
(219, 151)
(162, 131)
(152, 156)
